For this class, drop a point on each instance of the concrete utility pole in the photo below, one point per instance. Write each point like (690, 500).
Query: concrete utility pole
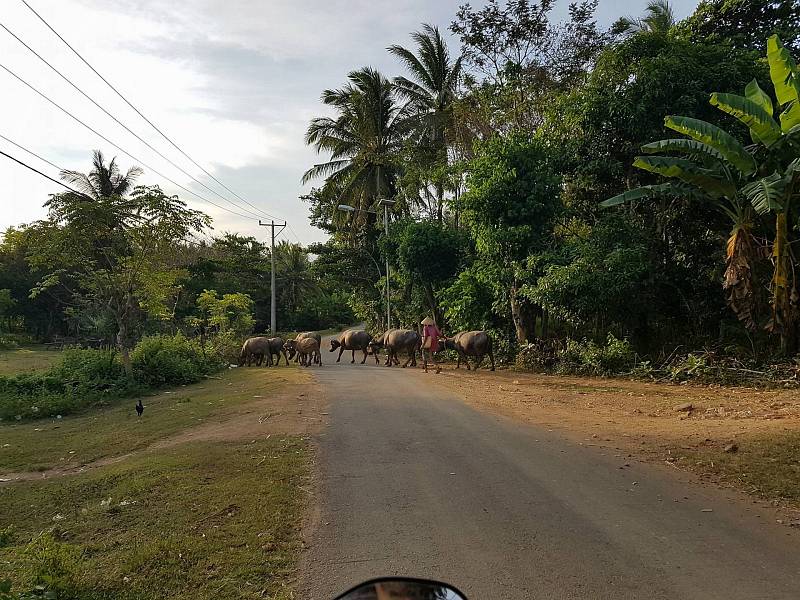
(272, 225)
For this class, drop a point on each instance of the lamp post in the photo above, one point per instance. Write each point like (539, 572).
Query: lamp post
(386, 204)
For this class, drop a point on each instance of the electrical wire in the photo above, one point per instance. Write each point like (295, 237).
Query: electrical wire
(121, 124)
(118, 93)
(118, 147)
(37, 171)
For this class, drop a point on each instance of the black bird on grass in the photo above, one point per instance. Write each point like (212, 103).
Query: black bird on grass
(139, 407)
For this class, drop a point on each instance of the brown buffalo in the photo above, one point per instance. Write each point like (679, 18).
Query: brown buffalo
(275, 347)
(254, 348)
(471, 343)
(307, 350)
(396, 341)
(308, 334)
(352, 339)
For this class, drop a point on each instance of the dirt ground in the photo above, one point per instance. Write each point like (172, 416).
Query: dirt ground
(651, 422)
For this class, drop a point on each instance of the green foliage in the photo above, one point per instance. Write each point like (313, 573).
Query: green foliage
(429, 251)
(512, 198)
(588, 358)
(574, 357)
(6, 535)
(54, 565)
(85, 378)
(164, 360)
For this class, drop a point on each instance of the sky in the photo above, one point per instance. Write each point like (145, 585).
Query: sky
(234, 83)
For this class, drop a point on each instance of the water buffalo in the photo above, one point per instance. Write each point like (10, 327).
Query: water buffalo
(275, 347)
(254, 348)
(352, 339)
(307, 350)
(471, 343)
(396, 341)
(308, 334)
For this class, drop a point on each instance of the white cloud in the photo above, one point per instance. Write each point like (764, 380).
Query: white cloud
(234, 82)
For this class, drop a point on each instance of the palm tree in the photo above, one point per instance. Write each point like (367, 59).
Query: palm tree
(658, 19)
(430, 93)
(295, 279)
(103, 181)
(363, 140)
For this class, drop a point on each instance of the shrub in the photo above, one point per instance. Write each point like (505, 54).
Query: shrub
(162, 359)
(589, 358)
(223, 349)
(540, 356)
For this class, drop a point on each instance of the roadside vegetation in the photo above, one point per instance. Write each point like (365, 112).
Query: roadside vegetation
(201, 520)
(201, 497)
(535, 200)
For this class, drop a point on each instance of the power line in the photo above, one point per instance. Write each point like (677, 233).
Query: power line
(37, 171)
(118, 93)
(118, 147)
(133, 133)
(24, 149)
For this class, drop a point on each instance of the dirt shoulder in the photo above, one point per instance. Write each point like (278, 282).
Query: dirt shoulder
(647, 421)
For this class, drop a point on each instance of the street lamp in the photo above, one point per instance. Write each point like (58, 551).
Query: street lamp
(386, 204)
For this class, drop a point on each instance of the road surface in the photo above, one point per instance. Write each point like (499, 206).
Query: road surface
(414, 482)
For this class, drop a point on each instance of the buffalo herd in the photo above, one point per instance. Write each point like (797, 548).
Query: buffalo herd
(305, 348)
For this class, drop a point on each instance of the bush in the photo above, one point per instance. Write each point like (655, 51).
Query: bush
(223, 349)
(539, 356)
(90, 377)
(589, 358)
(161, 359)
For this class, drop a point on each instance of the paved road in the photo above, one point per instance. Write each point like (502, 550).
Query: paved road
(414, 482)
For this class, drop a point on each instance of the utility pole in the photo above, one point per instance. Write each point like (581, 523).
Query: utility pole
(386, 228)
(272, 225)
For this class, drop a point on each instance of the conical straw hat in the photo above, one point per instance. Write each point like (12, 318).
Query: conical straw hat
(428, 321)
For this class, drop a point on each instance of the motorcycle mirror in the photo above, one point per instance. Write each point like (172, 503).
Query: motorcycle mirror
(400, 588)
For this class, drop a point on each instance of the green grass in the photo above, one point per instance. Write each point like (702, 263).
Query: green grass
(766, 466)
(115, 430)
(201, 520)
(27, 359)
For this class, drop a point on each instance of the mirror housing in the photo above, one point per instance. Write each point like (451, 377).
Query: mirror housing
(402, 588)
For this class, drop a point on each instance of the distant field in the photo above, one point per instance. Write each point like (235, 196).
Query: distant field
(29, 358)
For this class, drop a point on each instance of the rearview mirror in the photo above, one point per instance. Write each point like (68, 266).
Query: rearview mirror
(398, 588)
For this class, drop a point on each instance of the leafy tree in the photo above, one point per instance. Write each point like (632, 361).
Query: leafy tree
(737, 180)
(430, 255)
(509, 210)
(115, 251)
(521, 58)
(744, 24)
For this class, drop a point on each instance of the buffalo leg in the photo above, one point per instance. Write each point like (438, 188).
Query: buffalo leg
(364, 350)
(478, 361)
(341, 350)
(354, 356)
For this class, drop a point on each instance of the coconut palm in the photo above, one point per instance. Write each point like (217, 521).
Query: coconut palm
(103, 181)
(430, 92)
(431, 88)
(363, 139)
(658, 19)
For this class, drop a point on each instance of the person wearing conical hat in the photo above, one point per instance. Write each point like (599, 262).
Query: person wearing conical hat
(430, 343)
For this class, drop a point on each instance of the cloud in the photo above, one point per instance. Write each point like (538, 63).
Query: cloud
(234, 82)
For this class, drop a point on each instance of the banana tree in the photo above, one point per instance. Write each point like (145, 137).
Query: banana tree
(744, 182)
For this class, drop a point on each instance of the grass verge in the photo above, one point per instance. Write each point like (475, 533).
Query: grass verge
(27, 359)
(201, 520)
(115, 430)
(766, 466)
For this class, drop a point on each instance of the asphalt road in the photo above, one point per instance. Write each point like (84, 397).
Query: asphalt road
(414, 482)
